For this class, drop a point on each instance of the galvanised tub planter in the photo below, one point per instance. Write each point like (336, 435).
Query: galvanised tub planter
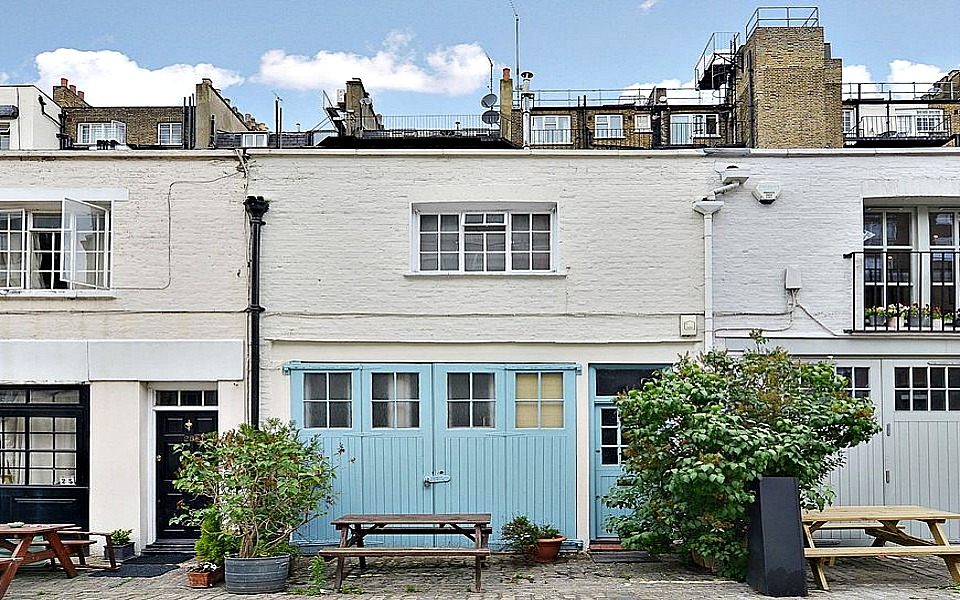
(257, 575)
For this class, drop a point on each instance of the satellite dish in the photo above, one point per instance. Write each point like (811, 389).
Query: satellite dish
(491, 117)
(365, 100)
(488, 101)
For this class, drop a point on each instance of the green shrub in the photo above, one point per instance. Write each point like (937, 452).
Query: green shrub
(119, 537)
(520, 534)
(702, 433)
(214, 543)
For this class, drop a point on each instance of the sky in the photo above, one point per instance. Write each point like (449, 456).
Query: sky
(420, 57)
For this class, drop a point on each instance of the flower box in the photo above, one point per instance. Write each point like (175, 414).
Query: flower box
(204, 579)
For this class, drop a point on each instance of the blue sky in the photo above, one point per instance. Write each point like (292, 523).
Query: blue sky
(420, 57)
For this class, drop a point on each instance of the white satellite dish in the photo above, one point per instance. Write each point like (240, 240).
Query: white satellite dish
(488, 101)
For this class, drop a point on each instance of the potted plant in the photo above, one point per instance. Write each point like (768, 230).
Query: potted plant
(261, 484)
(874, 317)
(123, 548)
(539, 542)
(936, 318)
(204, 574)
(212, 548)
(895, 315)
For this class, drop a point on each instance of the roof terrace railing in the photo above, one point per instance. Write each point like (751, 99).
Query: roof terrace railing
(639, 96)
(783, 16)
(717, 57)
(900, 90)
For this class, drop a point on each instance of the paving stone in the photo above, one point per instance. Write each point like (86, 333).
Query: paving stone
(575, 577)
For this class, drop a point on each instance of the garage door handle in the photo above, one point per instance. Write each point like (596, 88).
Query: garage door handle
(433, 479)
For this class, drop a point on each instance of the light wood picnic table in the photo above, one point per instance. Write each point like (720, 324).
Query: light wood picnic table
(883, 524)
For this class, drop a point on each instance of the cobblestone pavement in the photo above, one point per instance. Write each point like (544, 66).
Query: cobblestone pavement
(577, 577)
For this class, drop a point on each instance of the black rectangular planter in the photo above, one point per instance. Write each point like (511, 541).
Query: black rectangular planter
(775, 566)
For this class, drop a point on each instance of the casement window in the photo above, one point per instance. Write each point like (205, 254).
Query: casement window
(4, 136)
(485, 241)
(539, 399)
(91, 133)
(858, 380)
(917, 122)
(550, 129)
(54, 246)
(328, 400)
(41, 436)
(170, 134)
(253, 140)
(849, 124)
(608, 126)
(642, 123)
(685, 127)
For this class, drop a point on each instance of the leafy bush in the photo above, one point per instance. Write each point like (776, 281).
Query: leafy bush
(214, 543)
(520, 534)
(701, 434)
(261, 484)
(119, 537)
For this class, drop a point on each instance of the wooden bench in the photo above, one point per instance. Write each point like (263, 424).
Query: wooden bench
(77, 542)
(854, 551)
(340, 553)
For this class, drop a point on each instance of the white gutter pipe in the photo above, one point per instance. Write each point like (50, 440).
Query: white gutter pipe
(707, 208)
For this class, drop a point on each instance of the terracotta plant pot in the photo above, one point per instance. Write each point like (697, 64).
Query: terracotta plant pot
(546, 550)
(204, 580)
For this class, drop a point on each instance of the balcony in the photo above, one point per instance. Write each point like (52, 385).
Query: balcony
(905, 291)
(924, 129)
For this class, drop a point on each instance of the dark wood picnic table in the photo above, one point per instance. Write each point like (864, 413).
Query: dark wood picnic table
(355, 527)
(18, 540)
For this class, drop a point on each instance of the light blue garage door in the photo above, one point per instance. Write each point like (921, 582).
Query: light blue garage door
(445, 438)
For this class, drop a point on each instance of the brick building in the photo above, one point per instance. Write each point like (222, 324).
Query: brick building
(192, 125)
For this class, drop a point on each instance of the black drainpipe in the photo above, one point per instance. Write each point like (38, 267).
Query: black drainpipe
(256, 207)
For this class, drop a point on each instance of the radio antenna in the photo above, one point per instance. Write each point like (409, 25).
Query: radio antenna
(516, 18)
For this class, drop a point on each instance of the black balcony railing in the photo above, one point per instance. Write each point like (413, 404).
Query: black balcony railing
(905, 291)
(900, 127)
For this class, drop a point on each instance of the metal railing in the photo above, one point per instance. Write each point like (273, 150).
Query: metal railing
(783, 16)
(905, 291)
(642, 96)
(901, 126)
(716, 60)
(947, 91)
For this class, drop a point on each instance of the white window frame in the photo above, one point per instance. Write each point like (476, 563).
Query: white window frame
(89, 134)
(849, 124)
(170, 134)
(65, 277)
(509, 210)
(697, 126)
(5, 135)
(254, 140)
(643, 123)
(550, 130)
(607, 126)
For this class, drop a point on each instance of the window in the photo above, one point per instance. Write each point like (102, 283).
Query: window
(858, 380)
(328, 400)
(91, 133)
(185, 398)
(539, 400)
(55, 246)
(471, 400)
(923, 389)
(551, 129)
(611, 382)
(919, 121)
(849, 125)
(887, 259)
(608, 126)
(684, 128)
(170, 134)
(485, 242)
(395, 400)
(253, 140)
(40, 439)
(4, 136)
(642, 121)
(944, 250)
(612, 440)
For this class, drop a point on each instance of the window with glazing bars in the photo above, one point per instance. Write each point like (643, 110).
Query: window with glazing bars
(492, 242)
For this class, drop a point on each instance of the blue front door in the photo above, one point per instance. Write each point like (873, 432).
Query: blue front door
(445, 438)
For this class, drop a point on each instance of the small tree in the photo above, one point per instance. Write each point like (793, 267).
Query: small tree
(261, 484)
(703, 432)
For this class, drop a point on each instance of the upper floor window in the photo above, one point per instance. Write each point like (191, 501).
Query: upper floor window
(4, 136)
(608, 126)
(91, 133)
(849, 121)
(253, 140)
(170, 134)
(54, 246)
(685, 127)
(551, 129)
(642, 123)
(500, 241)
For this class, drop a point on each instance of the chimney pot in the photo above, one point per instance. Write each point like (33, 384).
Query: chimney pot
(73, 88)
(80, 94)
(63, 82)
(506, 73)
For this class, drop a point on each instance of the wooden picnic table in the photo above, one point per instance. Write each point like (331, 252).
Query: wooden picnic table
(354, 528)
(18, 540)
(883, 524)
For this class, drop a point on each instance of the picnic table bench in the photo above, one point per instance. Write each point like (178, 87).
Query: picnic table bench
(354, 528)
(883, 524)
(18, 541)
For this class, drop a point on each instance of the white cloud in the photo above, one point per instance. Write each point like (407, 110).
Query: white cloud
(110, 78)
(905, 71)
(3, 78)
(676, 91)
(452, 70)
(646, 5)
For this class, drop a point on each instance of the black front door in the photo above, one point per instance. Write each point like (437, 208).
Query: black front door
(175, 428)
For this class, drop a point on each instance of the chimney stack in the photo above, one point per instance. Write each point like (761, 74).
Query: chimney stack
(73, 88)
(80, 93)
(64, 81)
(506, 105)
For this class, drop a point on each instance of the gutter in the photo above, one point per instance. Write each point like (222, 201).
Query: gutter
(256, 207)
